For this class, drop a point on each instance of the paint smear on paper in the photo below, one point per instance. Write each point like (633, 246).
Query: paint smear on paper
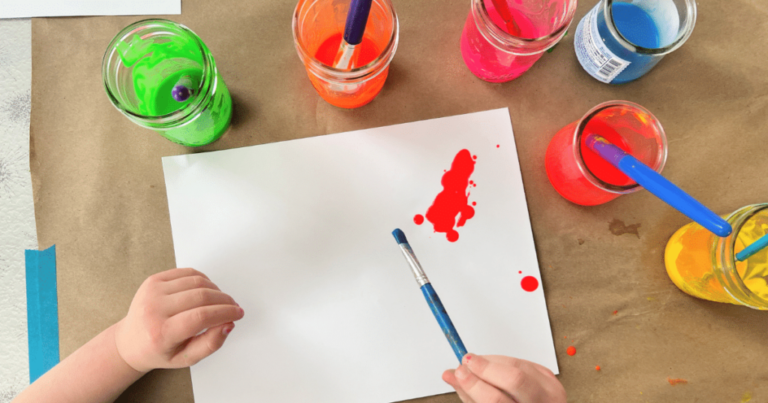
(677, 381)
(451, 208)
(529, 283)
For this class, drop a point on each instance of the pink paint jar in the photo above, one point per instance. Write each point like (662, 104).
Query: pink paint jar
(502, 39)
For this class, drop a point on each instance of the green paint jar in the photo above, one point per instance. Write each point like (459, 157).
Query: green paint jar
(142, 66)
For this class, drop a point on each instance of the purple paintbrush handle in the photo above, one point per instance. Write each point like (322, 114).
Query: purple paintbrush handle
(357, 18)
(604, 149)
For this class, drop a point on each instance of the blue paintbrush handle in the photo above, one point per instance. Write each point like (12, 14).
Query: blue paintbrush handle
(444, 320)
(357, 18)
(755, 247)
(659, 186)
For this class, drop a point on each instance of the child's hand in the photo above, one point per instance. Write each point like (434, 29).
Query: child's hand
(499, 379)
(163, 325)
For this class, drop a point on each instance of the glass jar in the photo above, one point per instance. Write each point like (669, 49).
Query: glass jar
(580, 175)
(704, 265)
(318, 27)
(503, 39)
(143, 65)
(620, 40)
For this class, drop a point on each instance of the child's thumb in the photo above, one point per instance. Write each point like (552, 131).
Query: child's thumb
(205, 344)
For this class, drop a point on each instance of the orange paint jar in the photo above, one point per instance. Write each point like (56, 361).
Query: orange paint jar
(318, 26)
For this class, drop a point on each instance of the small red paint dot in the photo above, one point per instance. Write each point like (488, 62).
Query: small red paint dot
(615, 312)
(469, 357)
(474, 157)
(571, 351)
(529, 283)
(474, 203)
(418, 219)
(452, 236)
(519, 272)
(474, 185)
(597, 368)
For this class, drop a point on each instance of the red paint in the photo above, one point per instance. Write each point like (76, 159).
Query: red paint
(596, 164)
(571, 351)
(418, 219)
(326, 53)
(469, 357)
(597, 368)
(497, 146)
(453, 202)
(676, 381)
(520, 272)
(474, 157)
(529, 283)
(615, 312)
(474, 203)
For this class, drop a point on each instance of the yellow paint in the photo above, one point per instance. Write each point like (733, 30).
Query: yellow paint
(746, 398)
(689, 264)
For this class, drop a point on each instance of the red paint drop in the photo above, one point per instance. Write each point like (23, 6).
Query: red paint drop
(520, 272)
(474, 203)
(497, 146)
(418, 219)
(571, 351)
(529, 283)
(452, 201)
(597, 368)
(615, 312)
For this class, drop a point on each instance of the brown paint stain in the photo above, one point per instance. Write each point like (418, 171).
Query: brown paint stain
(618, 228)
(581, 242)
(677, 381)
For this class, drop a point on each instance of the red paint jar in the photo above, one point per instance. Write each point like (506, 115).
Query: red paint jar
(580, 175)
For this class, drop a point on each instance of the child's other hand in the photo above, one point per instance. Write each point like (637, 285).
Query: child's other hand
(499, 379)
(163, 325)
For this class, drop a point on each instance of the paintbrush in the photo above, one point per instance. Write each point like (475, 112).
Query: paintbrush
(658, 185)
(753, 248)
(357, 18)
(183, 89)
(432, 299)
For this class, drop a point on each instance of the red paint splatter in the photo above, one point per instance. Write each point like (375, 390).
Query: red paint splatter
(471, 182)
(452, 201)
(474, 203)
(529, 283)
(497, 146)
(571, 351)
(597, 368)
(676, 381)
(615, 312)
(520, 272)
(474, 157)
(418, 219)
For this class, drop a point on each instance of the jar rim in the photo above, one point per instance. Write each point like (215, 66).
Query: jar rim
(206, 87)
(727, 248)
(505, 42)
(683, 33)
(362, 73)
(579, 158)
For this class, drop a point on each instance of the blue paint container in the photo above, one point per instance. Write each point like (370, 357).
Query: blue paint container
(619, 41)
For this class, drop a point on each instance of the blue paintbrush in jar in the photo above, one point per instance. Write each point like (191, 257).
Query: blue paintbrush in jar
(432, 299)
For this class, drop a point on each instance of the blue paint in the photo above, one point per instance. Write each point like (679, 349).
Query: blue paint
(399, 236)
(755, 247)
(444, 320)
(658, 185)
(638, 27)
(42, 311)
(357, 18)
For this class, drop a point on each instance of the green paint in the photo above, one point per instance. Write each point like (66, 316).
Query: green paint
(157, 64)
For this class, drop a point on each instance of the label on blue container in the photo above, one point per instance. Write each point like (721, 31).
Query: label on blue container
(594, 56)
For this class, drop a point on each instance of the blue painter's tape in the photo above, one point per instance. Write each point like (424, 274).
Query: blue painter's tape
(42, 311)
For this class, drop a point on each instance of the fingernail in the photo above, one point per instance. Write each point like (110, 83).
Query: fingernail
(461, 373)
(242, 311)
(227, 329)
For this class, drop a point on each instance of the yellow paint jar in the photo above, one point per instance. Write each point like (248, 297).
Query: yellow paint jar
(704, 265)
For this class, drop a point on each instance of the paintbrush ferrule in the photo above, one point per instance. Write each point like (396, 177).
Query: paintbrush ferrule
(410, 257)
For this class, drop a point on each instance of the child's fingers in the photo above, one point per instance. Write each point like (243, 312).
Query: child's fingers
(173, 274)
(518, 378)
(477, 389)
(187, 283)
(189, 323)
(450, 378)
(190, 299)
(202, 346)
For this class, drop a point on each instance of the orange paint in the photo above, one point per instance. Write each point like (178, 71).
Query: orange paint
(615, 312)
(571, 351)
(676, 381)
(597, 368)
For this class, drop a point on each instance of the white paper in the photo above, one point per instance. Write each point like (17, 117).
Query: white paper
(299, 233)
(61, 8)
